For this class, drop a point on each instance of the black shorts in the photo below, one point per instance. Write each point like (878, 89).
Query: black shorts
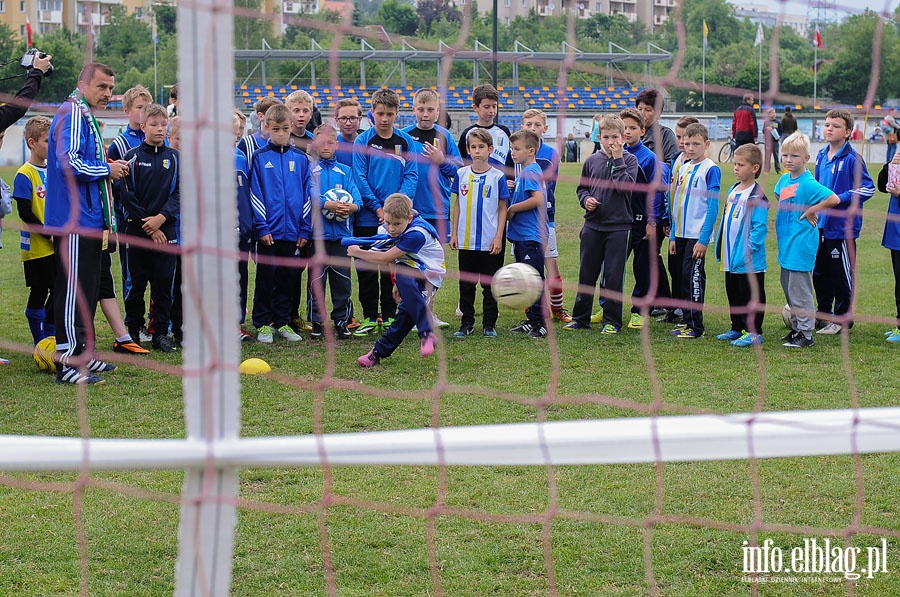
(107, 287)
(40, 272)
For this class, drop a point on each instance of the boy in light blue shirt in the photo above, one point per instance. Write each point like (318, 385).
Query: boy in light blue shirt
(800, 199)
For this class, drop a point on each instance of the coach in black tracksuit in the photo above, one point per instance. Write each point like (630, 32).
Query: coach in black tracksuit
(605, 194)
(151, 189)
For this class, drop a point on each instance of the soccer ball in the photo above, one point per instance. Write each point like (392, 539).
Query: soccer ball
(786, 316)
(517, 285)
(43, 354)
(339, 195)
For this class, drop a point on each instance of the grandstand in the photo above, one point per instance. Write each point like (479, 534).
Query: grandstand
(515, 99)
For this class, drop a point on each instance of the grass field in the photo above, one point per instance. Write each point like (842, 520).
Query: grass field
(598, 540)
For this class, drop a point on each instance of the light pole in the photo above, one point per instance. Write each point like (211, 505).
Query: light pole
(494, 49)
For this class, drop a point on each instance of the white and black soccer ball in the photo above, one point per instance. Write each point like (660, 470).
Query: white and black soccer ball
(339, 195)
(786, 316)
(517, 285)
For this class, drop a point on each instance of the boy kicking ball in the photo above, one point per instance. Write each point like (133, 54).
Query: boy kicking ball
(414, 246)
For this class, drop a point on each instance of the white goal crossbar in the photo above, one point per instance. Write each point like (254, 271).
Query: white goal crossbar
(608, 441)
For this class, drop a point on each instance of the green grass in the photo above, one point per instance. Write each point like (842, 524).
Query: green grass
(597, 541)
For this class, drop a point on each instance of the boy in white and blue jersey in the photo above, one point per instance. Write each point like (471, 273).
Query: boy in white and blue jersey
(328, 174)
(384, 164)
(800, 199)
(527, 217)
(476, 231)
(437, 164)
(693, 207)
(413, 250)
(741, 247)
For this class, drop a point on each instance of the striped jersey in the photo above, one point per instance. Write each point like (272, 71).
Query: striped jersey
(31, 184)
(479, 196)
(695, 190)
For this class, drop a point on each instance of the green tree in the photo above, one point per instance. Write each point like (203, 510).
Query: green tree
(846, 78)
(398, 17)
(125, 43)
(431, 11)
(68, 50)
(250, 31)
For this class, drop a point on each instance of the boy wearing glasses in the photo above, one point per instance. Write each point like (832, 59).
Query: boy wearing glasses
(347, 118)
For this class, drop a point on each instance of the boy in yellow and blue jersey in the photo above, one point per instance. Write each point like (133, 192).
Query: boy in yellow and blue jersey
(38, 261)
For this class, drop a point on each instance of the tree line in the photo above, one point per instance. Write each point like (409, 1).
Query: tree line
(732, 61)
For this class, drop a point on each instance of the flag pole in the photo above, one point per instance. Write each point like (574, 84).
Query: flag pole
(760, 40)
(815, 73)
(705, 46)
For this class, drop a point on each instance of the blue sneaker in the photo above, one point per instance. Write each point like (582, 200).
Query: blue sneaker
(893, 332)
(490, 332)
(747, 339)
(895, 339)
(730, 335)
(576, 325)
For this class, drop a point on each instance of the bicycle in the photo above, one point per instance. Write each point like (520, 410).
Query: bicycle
(726, 153)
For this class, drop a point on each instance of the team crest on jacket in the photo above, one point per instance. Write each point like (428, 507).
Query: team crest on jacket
(165, 164)
(291, 166)
(398, 149)
(41, 192)
(464, 189)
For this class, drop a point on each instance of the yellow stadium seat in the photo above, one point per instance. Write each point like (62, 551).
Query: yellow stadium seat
(268, 87)
(594, 95)
(243, 87)
(571, 106)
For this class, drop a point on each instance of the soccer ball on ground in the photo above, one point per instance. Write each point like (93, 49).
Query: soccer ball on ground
(517, 285)
(340, 196)
(786, 316)
(43, 354)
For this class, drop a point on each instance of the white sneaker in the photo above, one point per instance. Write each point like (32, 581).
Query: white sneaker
(458, 310)
(264, 335)
(439, 323)
(288, 334)
(831, 329)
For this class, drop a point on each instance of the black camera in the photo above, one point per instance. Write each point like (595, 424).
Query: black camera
(28, 60)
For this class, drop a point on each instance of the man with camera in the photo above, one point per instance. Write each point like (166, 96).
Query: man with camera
(38, 65)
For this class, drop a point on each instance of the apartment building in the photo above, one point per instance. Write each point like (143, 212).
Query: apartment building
(652, 13)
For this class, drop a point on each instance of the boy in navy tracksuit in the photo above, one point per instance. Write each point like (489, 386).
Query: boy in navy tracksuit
(844, 171)
(335, 222)
(650, 172)
(437, 164)
(383, 164)
(246, 241)
(151, 200)
(249, 144)
(280, 190)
